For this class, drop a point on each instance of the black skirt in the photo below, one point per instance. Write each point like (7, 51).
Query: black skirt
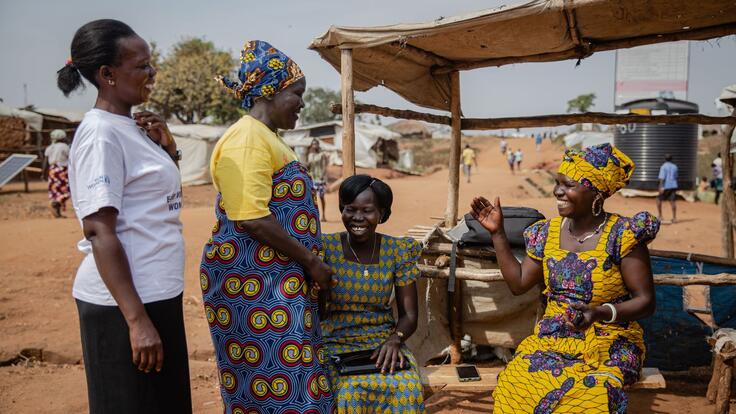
(114, 384)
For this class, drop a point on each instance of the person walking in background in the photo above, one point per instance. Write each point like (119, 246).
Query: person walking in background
(717, 181)
(667, 186)
(126, 191)
(261, 263)
(504, 146)
(538, 141)
(317, 163)
(469, 160)
(511, 159)
(518, 157)
(57, 160)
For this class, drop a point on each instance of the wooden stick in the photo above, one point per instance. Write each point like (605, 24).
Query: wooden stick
(543, 120)
(576, 52)
(718, 366)
(494, 275)
(453, 195)
(723, 399)
(693, 257)
(728, 203)
(348, 118)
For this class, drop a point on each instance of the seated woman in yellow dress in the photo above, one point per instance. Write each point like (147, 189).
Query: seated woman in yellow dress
(368, 267)
(598, 282)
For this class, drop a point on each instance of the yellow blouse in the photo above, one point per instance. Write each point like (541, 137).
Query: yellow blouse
(242, 165)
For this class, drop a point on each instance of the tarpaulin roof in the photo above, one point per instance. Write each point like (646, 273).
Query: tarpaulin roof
(414, 60)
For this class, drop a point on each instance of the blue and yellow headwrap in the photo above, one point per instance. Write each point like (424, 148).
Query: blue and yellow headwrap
(603, 168)
(264, 71)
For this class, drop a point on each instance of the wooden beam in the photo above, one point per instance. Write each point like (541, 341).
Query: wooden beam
(593, 47)
(544, 120)
(693, 257)
(453, 195)
(728, 203)
(494, 275)
(422, 54)
(348, 117)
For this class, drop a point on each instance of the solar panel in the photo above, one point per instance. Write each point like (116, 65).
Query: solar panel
(14, 165)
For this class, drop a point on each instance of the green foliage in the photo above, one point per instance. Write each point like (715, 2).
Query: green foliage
(581, 103)
(317, 105)
(185, 85)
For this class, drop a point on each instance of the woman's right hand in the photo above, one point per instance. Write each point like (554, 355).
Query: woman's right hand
(321, 274)
(148, 351)
(488, 215)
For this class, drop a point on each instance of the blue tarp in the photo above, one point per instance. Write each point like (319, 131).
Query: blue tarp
(675, 339)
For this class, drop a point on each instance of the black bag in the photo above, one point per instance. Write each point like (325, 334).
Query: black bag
(515, 221)
(360, 362)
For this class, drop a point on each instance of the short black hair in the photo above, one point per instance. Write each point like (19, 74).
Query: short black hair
(356, 184)
(94, 45)
(668, 157)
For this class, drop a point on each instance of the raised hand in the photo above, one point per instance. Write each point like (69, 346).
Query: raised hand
(488, 215)
(156, 128)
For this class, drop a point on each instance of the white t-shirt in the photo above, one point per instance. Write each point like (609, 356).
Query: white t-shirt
(57, 154)
(113, 164)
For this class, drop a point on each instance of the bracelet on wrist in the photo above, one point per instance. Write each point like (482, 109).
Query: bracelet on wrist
(614, 314)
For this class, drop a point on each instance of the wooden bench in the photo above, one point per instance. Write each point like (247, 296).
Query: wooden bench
(444, 377)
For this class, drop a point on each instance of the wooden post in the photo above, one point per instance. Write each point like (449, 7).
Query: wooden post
(728, 204)
(454, 174)
(348, 113)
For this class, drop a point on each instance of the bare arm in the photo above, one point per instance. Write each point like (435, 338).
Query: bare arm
(389, 354)
(269, 232)
(112, 263)
(519, 277)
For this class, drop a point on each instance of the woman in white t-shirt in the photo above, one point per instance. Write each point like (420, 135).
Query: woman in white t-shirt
(126, 191)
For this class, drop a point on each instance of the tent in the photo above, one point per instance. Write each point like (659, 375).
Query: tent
(588, 138)
(196, 143)
(367, 136)
(33, 120)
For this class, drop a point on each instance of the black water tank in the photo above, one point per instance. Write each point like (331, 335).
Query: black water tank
(647, 144)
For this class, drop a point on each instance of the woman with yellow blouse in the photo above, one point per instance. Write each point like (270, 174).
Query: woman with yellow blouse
(258, 266)
(598, 283)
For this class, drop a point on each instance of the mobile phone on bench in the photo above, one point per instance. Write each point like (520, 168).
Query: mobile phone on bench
(467, 373)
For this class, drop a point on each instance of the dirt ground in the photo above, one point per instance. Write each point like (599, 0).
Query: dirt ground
(39, 259)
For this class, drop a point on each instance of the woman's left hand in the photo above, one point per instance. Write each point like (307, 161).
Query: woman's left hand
(588, 317)
(156, 128)
(389, 354)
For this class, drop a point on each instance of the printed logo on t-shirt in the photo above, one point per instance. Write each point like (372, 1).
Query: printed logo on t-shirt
(101, 180)
(174, 200)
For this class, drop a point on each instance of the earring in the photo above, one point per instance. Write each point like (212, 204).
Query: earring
(111, 82)
(597, 210)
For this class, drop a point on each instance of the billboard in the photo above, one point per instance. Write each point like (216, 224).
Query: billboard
(652, 71)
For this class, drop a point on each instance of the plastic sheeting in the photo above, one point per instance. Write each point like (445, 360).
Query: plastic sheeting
(196, 143)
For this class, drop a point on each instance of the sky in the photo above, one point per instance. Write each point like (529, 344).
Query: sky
(37, 35)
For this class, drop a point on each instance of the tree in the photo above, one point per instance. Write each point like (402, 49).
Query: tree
(582, 103)
(185, 85)
(317, 105)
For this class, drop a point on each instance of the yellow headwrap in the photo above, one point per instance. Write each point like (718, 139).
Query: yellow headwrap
(603, 168)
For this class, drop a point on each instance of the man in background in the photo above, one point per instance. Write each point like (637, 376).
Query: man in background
(667, 186)
(468, 160)
(317, 163)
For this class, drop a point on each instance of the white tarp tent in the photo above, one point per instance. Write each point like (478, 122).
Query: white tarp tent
(196, 143)
(32, 119)
(366, 136)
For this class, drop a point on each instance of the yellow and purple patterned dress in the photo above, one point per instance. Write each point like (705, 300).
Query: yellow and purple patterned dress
(360, 317)
(563, 371)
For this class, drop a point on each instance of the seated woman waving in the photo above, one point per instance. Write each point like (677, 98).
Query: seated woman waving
(598, 282)
(369, 266)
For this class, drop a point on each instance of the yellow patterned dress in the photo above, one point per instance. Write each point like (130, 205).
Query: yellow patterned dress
(360, 317)
(563, 371)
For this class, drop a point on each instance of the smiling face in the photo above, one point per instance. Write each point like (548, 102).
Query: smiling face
(573, 199)
(285, 106)
(361, 217)
(134, 76)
